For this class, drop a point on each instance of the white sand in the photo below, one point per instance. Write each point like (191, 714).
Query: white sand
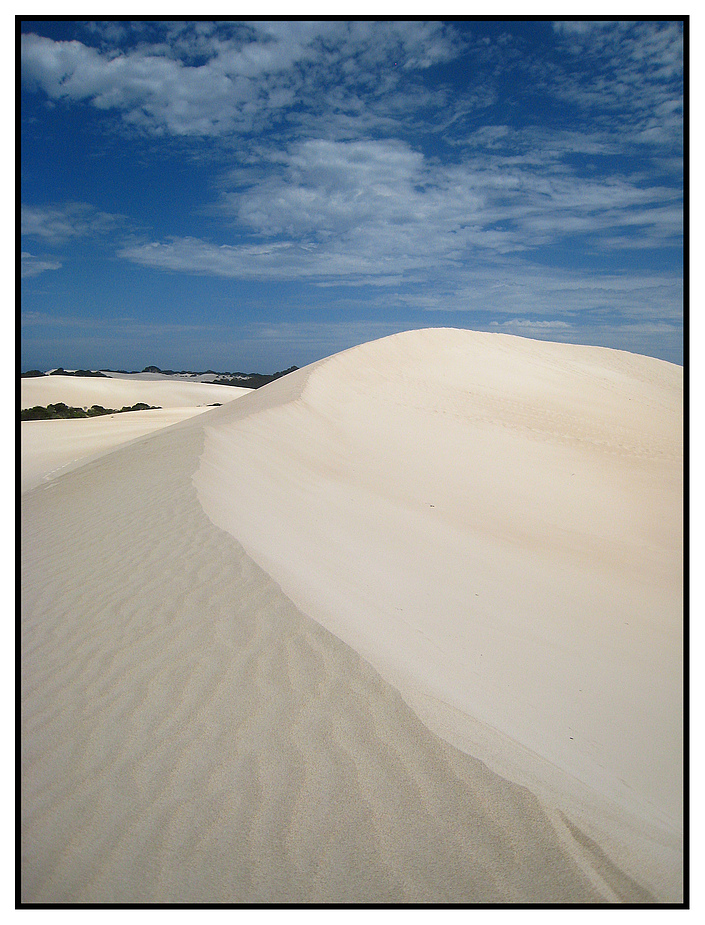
(490, 526)
(170, 377)
(496, 525)
(51, 448)
(112, 392)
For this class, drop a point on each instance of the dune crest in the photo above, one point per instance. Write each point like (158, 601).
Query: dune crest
(495, 524)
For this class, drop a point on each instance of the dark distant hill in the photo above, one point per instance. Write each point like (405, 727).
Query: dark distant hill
(178, 372)
(241, 380)
(34, 373)
(85, 373)
(251, 380)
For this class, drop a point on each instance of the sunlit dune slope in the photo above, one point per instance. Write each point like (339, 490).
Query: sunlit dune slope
(495, 523)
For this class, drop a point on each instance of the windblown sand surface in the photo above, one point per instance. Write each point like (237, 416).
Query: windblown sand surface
(402, 626)
(50, 448)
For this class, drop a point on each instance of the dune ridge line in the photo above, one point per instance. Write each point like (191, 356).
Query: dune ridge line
(495, 524)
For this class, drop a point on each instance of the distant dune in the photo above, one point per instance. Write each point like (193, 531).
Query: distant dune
(112, 392)
(402, 626)
(50, 448)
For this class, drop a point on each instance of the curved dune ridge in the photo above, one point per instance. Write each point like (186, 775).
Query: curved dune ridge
(495, 524)
(404, 626)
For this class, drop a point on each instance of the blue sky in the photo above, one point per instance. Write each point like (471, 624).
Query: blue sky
(252, 195)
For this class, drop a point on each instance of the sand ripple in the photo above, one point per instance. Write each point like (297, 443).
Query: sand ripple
(189, 736)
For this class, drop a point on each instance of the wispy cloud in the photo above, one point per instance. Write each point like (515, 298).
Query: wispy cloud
(57, 224)
(526, 326)
(209, 79)
(33, 265)
(635, 89)
(380, 211)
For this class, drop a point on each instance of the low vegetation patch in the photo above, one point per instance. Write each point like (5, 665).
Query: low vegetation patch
(83, 373)
(60, 410)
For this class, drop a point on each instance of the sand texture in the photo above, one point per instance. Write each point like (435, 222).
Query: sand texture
(404, 626)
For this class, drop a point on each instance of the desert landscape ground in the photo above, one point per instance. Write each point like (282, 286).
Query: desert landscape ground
(404, 626)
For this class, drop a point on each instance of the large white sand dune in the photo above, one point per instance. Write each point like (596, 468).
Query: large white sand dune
(477, 530)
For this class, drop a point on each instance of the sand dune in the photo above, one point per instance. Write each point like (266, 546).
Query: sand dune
(116, 392)
(402, 626)
(51, 448)
(495, 524)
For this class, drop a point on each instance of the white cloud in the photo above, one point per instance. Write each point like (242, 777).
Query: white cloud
(378, 212)
(628, 77)
(502, 285)
(33, 266)
(195, 79)
(267, 262)
(60, 223)
(191, 255)
(219, 79)
(376, 200)
(527, 326)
